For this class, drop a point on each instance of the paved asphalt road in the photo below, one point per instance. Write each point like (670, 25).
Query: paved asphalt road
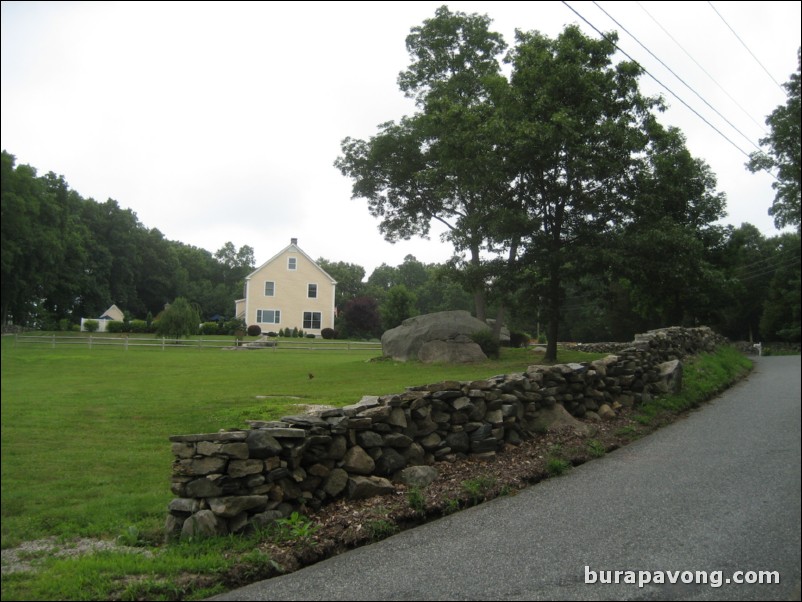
(716, 491)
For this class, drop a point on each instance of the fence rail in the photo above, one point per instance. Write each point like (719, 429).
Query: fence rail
(125, 342)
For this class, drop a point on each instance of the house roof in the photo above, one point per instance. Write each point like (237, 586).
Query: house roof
(293, 246)
(112, 313)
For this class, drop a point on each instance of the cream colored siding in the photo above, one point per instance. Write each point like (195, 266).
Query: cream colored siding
(293, 278)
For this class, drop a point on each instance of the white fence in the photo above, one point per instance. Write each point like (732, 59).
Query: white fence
(124, 342)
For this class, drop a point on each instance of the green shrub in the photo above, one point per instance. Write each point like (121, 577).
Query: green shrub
(139, 326)
(519, 339)
(115, 326)
(64, 324)
(295, 333)
(490, 346)
(209, 328)
(272, 334)
(328, 333)
(254, 330)
(232, 326)
(310, 336)
(91, 325)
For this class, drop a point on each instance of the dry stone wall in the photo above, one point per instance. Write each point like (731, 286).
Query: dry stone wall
(234, 481)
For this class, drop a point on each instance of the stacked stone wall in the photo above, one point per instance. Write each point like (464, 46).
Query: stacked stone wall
(233, 481)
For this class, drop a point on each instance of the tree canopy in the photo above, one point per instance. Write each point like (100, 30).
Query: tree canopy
(784, 143)
(65, 257)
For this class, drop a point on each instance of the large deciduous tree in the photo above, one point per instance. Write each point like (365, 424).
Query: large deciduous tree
(575, 124)
(439, 165)
(784, 143)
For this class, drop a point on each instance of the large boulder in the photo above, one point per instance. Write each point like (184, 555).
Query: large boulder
(454, 328)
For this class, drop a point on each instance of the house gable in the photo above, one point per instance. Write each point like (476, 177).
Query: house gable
(290, 290)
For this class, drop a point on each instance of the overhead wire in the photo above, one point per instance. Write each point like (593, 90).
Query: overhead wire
(674, 94)
(771, 77)
(674, 73)
(713, 79)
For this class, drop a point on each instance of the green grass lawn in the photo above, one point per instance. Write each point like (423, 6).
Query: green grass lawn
(85, 449)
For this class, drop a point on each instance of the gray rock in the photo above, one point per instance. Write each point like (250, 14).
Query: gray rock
(360, 488)
(368, 439)
(390, 462)
(336, 482)
(418, 476)
(203, 488)
(242, 468)
(204, 523)
(357, 460)
(671, 376)
(460, 350)
(184, 505)
(231, 506)
(458, 442)
(261, 444)
(198, 466)
(404, 342)
(397, 440)
(555, 417)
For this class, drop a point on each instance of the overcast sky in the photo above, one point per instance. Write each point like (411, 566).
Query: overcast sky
(219, 122)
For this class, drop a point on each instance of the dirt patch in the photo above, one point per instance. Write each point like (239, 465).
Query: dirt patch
(29, 555)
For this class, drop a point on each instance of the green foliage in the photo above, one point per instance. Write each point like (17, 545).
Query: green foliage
(139, 326)
(209, 328)
(398, 305)
(381, 529)
(181, 319)
(64, 325)
(231, 327)
(294, 333)
(296, 527)
(519, 339)
(557, 466)
(91, 325)
(254, 330)
(416, 499)
(596, 448)
(489, 344)
(115, 326)
(784, 154)
(478, 487)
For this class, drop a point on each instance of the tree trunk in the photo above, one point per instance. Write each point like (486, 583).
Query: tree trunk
(498, 323)
(479, 297)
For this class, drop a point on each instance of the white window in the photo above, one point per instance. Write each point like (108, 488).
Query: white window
(268, 316)
(270, 289)
(292, 263)
(311, 291)
(312, 319)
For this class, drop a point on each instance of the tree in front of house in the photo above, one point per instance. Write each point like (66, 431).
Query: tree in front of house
(180, 319)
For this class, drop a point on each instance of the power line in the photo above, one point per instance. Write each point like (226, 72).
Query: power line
(675, 75)
(745, 46)
(713, 79)
(646, 71)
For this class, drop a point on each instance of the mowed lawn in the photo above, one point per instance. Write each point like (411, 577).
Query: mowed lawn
(85, 449)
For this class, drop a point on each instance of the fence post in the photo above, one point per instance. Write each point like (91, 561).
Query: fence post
(126, 343)
(162, 343)
(90, 341)
(54, 341)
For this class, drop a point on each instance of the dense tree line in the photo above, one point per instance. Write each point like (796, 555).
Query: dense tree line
(65, 257)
